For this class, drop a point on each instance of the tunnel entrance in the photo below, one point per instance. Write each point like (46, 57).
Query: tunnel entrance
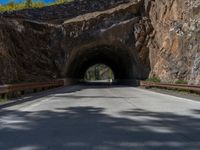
(122, 61)
(99, 73)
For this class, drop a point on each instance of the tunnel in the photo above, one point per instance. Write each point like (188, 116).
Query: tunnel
(120, 60)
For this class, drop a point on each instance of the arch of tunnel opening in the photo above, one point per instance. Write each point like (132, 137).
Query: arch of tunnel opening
(63, 41)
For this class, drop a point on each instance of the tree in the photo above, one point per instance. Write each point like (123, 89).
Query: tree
(11, 4)
(28, 3)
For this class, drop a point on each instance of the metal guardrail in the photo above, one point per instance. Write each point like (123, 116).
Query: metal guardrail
(5, 90)
(191, 88)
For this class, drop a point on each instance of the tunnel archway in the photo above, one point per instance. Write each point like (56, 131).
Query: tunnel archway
(121, 60)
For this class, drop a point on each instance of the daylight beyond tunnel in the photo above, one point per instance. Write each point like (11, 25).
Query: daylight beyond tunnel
(99, 72)
(121, 60)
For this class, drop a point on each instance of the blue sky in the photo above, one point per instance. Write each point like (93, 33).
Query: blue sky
(6, 1)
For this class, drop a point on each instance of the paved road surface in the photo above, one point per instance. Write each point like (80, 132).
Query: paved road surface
(101, 118)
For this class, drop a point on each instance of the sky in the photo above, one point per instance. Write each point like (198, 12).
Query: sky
(6, 1)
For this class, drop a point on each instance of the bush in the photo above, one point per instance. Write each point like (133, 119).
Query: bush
(154, 79)
(3, 100)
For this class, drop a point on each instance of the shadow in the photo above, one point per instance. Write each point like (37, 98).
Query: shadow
(91, 97)
(35, 96)
(127, 83)
(62, 90)
(196, 111)
(92, 128)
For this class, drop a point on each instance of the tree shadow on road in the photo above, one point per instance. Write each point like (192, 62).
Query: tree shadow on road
(91, 128)
(60, 90)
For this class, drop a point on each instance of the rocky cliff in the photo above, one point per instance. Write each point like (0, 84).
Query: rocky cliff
(175, 41)
(160, 36)
(62, 41)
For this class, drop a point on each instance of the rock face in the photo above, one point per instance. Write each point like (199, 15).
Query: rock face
(63, 43)
(136, 38)
(175, 41)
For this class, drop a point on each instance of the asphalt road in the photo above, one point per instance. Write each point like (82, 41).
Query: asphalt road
(85, 117)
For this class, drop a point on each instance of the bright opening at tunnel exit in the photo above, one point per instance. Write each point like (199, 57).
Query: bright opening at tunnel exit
(99, 72)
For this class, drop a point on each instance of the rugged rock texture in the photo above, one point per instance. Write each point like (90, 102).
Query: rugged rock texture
(60, 13)
(133, 37)
(65, 44)
(175, 41)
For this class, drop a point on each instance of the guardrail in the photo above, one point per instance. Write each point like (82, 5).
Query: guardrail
(185, 87)
(19, 89)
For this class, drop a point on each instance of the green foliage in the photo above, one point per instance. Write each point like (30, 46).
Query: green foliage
(154, 79)
(99, 72)
(2, 100)
(180, 81)
(28, 4)
(17, 6)
(62, 1)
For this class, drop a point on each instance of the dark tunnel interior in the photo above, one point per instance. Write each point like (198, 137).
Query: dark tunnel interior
(121, 61)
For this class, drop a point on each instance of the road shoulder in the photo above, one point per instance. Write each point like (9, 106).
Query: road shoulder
(186, 95)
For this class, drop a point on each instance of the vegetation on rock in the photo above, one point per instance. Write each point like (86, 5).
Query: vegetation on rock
(2, 100)
(180, 81)
(154, 79)
(11, 6)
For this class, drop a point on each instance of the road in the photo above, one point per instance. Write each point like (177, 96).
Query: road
(86, 117)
